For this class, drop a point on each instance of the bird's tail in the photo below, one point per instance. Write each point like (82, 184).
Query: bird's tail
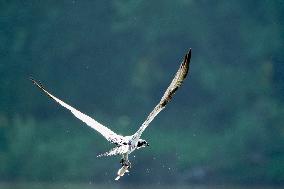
(119, 150)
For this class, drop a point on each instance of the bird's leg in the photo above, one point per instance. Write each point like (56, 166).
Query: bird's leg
(122, 161)
(128, 164)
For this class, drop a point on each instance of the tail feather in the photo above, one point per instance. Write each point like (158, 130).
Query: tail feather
(115, 151)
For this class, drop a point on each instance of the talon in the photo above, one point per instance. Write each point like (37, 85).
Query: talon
(126, 163)
(122, 161)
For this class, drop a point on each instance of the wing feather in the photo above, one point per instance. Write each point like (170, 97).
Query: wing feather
(103, 130)
(118, 150)
(173, 87)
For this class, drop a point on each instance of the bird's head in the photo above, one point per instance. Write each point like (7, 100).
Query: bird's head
(142, 143)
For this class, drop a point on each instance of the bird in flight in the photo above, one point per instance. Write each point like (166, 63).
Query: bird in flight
(124, 145)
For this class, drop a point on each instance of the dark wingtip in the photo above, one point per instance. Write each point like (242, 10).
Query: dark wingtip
(32, 79)
(37, 83)
(189, 55)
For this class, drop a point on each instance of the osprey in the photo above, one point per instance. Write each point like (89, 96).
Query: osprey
(124, 145)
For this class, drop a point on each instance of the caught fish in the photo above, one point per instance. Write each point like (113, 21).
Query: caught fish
(122, 171)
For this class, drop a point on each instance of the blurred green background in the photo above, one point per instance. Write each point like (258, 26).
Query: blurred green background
(113, 60)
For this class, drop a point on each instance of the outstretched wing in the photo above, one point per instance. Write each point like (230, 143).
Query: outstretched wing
(106, 132)
(175, 84)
